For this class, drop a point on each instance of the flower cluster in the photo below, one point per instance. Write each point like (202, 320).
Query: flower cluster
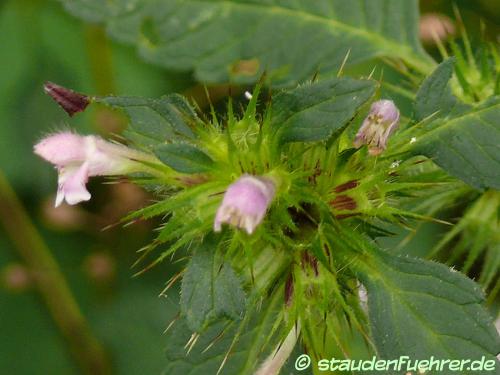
(245, 201)
(79, 157)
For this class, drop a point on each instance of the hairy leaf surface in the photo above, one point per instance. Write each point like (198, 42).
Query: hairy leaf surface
(314, 111)
(466, 146)
(155, 120)
(210, 289)
(421, 309)
(237, 40)
(184, 158)
(247, 344)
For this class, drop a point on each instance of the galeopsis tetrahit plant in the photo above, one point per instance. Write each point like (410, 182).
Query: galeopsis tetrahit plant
(279, 207)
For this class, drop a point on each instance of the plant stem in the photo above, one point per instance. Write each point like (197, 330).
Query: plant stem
(100, 59)
(51, 284)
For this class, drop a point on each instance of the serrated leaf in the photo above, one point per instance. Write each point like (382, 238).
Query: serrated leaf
(155, 120)
(314, 111)
(435, 96)
(237, 40)
(253, 342)
(210, 289)
(184, 158)
(466, 146)
(421, 309)
(463, 140)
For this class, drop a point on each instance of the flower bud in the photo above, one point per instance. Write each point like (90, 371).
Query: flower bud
(289, 290)
(79, 157)
(245, 203)
(69, 100)
(378, 126)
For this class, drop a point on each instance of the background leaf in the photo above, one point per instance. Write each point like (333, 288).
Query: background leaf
(237, 40)
(435, 96)
(466, 146)
(314, 111)
(422, 309)
(210, 289)
(120, 310)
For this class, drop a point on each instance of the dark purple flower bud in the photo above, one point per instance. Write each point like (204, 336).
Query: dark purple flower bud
(343, 202)
(346, 186)
(72, 102)
(378, 126)
(289, 290)
(310, 261)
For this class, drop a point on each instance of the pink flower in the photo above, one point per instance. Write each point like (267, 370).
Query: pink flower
(245, 203)
(378, 126)
(79, 157)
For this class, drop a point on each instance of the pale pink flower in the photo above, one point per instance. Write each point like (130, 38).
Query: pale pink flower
(381, 122)
(78, 157)
(245, 203)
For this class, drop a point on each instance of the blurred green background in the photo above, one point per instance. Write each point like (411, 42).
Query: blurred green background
(40, 42)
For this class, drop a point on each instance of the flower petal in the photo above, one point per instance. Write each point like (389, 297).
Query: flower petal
(62, 148)
(381, 122)
(72, 185)
(245, 203)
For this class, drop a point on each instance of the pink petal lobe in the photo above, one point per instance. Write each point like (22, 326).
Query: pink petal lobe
(62, 148)
(72, 185)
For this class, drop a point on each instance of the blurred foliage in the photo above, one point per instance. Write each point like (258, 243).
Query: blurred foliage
(41, 42)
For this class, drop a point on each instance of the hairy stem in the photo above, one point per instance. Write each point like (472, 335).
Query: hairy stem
(51, 284)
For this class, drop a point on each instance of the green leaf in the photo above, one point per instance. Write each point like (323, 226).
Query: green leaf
(421, 309)
(435, 96)
(466, 146)
(463, 140)
(184, 158)
(155, 120)
(248, 342)
(237, 40)
(210, 289)
(314, 111)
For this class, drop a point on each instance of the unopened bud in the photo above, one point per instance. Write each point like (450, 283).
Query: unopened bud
(310, 261)
(343, 202)
(289, 290)
(72, 102)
